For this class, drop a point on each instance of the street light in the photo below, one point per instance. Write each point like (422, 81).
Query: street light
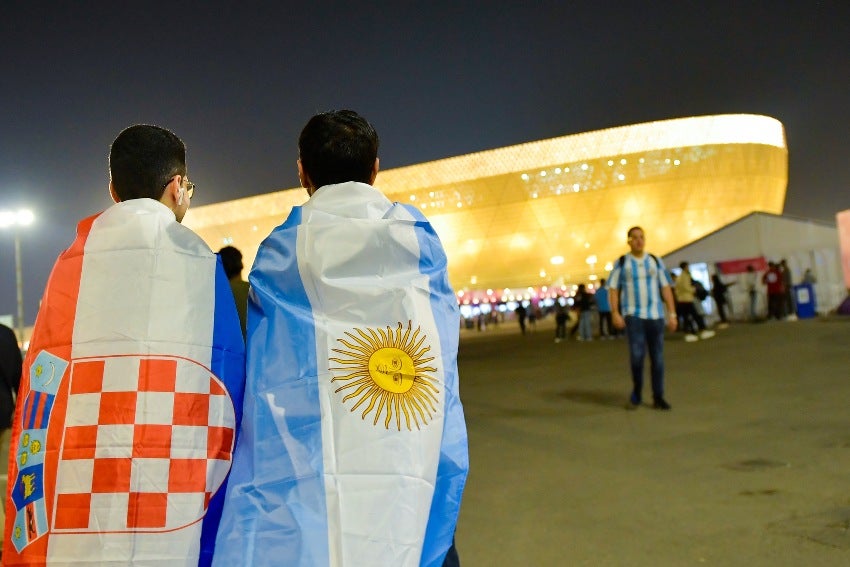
(15, 219)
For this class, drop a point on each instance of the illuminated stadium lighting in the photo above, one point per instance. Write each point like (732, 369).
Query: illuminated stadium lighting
(543, 173)
(621, 177)
(591, 259)
(556, 260)
(525, 177)
(737, 164)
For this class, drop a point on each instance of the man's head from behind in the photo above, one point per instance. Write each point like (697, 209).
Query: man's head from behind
(231, 260)
(336, 147)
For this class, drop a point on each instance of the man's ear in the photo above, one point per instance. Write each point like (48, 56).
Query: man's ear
(171, 194)
(306, 183)
(375, 169)
(113, 194)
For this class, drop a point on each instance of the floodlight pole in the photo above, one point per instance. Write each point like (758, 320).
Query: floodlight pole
(19, 282)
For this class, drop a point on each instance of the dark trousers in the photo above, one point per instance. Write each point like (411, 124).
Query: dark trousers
(692, 320)
(776, 305)
(721, 308)
(605, 326)
(646, 335)
(560, 328)
(452, 559)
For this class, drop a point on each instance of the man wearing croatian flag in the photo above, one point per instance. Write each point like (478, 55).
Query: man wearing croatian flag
(132, 390)
(353, 448)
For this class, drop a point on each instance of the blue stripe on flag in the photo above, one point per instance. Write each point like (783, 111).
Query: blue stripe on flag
(228, 364)
(278, 466)
(454, 456)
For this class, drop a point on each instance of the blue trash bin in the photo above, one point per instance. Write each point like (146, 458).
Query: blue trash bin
(804, 296)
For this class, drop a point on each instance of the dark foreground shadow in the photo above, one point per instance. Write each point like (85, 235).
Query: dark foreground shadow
(595, 397)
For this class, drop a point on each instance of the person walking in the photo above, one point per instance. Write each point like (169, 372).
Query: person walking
(719, 292)
(561, 318)
(603, 306)
(584, 304)
(692, 320)
(773, 280)
(639, 290)
(751, 283)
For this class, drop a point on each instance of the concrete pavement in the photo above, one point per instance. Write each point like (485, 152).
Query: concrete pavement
(751, 467)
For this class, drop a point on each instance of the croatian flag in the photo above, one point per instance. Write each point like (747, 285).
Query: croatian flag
(353, 449)
(132, 394)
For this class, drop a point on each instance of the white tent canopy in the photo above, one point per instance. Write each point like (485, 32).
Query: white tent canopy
(803, 243)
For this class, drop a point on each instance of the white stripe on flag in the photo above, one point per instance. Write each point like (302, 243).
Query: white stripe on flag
(383, 477)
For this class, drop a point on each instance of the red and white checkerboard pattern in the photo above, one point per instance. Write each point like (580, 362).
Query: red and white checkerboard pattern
(147, 442)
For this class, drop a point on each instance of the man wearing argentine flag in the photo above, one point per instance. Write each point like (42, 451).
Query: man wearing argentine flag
(353, 448)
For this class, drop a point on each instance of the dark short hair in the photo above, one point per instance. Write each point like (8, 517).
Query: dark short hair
(142, 159)
(231, 259)
(338, 146)
(629, 233)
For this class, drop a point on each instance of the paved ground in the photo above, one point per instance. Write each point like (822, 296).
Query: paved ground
(751, 467)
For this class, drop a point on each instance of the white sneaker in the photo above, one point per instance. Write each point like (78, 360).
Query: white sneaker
(690, 338)
(707, 334)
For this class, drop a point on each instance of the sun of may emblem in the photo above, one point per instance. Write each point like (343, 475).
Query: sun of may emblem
(387, 371)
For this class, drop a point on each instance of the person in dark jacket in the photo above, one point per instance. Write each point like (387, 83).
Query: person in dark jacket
(10, 379)
(10, 375)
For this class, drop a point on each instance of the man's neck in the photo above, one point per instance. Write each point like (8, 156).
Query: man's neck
(638, 255)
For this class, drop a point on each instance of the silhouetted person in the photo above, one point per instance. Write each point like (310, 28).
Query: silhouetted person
(520, 315)
(231, 258)
(719, 293)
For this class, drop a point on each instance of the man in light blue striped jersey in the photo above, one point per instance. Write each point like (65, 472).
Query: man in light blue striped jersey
(637, 285)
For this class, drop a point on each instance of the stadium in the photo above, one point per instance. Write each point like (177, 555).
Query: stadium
(537, 218)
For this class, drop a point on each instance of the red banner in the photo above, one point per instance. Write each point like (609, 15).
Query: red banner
(740, 266)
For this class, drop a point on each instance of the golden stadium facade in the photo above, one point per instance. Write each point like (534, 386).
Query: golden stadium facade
(554, 213)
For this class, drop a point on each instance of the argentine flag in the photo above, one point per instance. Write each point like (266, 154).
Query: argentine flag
(130, 401)
(353, 447)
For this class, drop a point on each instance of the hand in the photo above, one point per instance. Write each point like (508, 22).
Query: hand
(618, 321)
(672, 322)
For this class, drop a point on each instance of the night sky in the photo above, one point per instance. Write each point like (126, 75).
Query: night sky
(437, 79)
